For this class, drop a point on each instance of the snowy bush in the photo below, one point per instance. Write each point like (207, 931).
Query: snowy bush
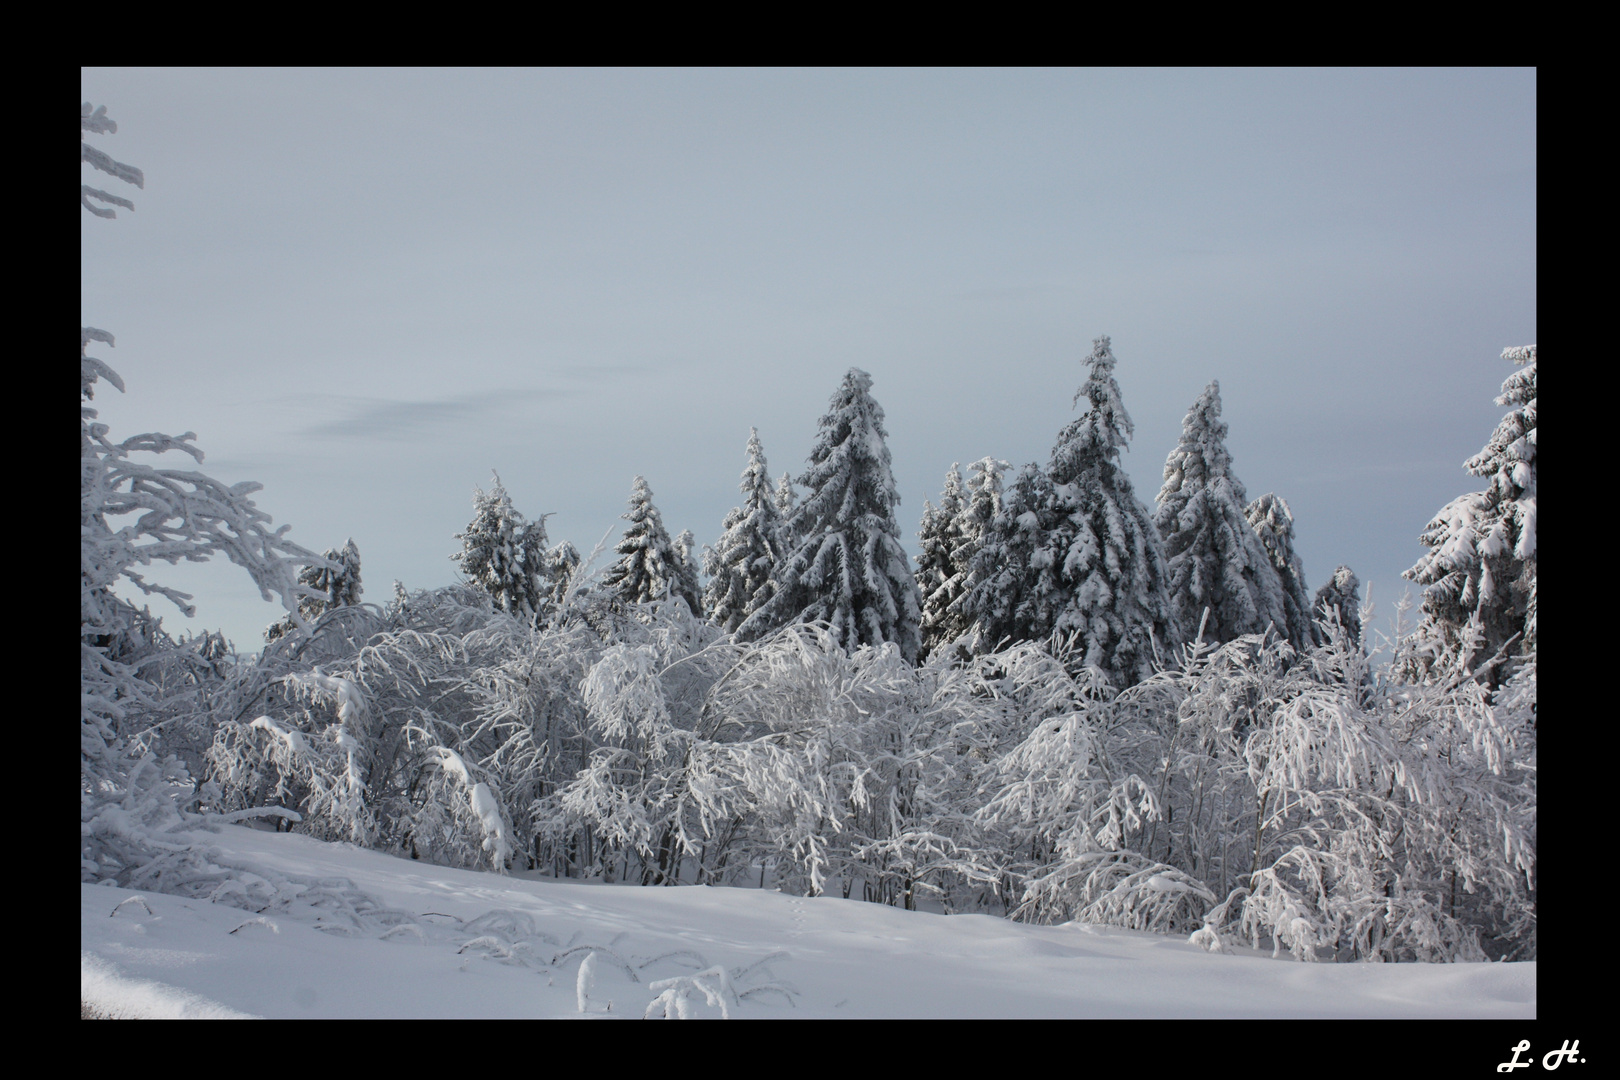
(406, 739)
(1309, 803)
(1341, 813)
(1063, 809)
(1334, 812)
(134, 680)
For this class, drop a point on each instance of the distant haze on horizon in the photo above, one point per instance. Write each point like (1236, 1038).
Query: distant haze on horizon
(367, 289)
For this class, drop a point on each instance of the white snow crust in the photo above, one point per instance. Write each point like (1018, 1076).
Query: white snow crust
(358, 933)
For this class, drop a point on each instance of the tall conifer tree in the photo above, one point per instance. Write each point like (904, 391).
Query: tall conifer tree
(1015, 592)
(506, 555)
(740, 563)
(649, 567)
(1215, 559)
(1073, 553)
(1273, 523)
(1112, 564)
(1480, 570)
(940, 578)
(846, 565)
(981, 504)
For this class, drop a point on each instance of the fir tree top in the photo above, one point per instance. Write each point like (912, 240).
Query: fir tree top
(504, 554)
(1340, 598)
(940, 574)
(786, 501)
(740, 563)
(981, 502)
(1215, 560)
(1098, 434)
(649, 568)
(338, 582)
(939, 523)
(1201, 459)
(1509, 458)
(1273, 523)
(849, 464)
(755, 485)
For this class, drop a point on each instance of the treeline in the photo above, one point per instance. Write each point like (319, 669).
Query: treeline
(1065, 555)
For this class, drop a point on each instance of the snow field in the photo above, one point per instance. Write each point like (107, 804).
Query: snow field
(361, 934)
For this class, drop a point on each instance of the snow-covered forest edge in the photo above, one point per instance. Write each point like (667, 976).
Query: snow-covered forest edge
(1079, 726)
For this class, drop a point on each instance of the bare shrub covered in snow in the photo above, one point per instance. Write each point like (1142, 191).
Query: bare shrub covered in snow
(1309, 803)
(134, 680)
(405, 740)
(1341, 813)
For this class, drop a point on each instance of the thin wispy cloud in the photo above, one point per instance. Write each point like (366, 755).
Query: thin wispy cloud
(599, 373)
(391, 420)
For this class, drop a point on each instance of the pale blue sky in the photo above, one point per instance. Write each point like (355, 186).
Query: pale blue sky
(366, 289)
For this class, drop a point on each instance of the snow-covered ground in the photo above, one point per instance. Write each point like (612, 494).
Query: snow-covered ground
(355, 933)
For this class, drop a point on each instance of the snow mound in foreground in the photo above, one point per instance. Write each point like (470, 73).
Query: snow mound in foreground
(117, 997)
(319, 930)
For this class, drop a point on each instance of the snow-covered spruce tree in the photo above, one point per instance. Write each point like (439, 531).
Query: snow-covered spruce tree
(1015, 591)
(1073, 555)
(338, 583)
(940, 579)
(1215, 559)
(740, 563)
(649, 566)
(944, 617)
(980, 505)
(1111, 564)
(132, 790)
(846, 565)
(688, 583)
(1339, 601)
(1273, 523)
(1480, 571)
(787, 500)
(505, 555)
